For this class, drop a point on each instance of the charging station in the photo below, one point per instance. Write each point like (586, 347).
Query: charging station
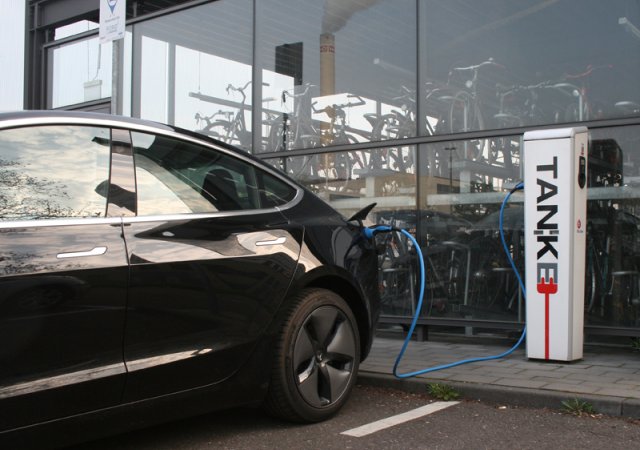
(555, 197)
(555, 214)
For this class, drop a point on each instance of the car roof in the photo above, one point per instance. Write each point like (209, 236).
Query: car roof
(51, 116)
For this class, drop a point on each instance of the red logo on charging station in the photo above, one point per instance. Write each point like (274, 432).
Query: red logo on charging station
(547, 289)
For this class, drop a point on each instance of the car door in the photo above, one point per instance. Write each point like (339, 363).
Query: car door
(63, 275)
(211, 260)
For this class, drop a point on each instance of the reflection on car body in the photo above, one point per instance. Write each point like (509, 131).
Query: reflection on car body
(149, 272)
(26, 296)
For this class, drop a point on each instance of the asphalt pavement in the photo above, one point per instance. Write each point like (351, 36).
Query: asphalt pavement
(377, 418)
(608, 377)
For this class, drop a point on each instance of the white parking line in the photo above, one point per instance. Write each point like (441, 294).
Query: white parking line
(378, 425)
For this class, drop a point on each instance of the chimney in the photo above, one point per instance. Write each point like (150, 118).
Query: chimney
(327, 77)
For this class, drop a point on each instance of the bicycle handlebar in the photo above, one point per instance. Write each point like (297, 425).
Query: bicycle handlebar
(231, 87)
(333, 111)
(360, 101)
(563, 87)
(406, 96)
(337, 109)
(220, 112)
(549, 84)
(588, 71)
(286, 93)
(566, 88)
(489, 62)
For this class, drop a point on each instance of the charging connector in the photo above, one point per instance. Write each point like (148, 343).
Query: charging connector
(370, 233)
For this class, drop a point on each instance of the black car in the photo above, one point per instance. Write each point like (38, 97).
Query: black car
(149, 273)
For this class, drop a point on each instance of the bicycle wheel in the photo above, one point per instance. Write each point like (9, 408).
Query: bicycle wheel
(436, 296)
(381, 126)
(437, 108)
(591, 280)
(623, 300)
(278, 139)
(302, 168)
(456, 275)
(438, 160)
(346, 164)
(465, 115)
(402, 159)
(221, 130)
(487, 255)
(396, 275)
(500, 152)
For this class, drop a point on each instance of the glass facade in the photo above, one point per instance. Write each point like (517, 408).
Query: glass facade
(421, 107)
(336, 73)
(499, 64)
(89, 81)
(193, 69)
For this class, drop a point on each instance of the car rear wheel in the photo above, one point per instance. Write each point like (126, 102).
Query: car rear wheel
(317, 358)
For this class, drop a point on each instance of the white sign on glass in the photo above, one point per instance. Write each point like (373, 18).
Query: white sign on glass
(113, 16)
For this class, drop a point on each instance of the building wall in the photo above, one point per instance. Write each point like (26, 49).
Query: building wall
(419, 106)
(12, 23)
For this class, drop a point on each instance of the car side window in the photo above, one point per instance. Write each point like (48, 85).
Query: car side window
(49, 172)
(178, 177)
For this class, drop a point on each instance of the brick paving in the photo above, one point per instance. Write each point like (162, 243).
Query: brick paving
(607, 377)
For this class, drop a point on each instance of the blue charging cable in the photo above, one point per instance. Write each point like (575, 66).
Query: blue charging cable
(371, 232)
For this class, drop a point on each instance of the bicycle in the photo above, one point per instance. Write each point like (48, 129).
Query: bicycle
(597, 271)
(465, 112)
(585, 108)
(544, 102)
(612, 277)
(396, 274)
(552, 101)
(342, 164)
(447, 264)
(525, 105)
(232, 129)
(218, 129)
(289, 131)
(398, 124)
(457, 107)
(293, 131)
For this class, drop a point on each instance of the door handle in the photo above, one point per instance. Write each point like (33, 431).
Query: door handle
(276, 241)
(96, 251)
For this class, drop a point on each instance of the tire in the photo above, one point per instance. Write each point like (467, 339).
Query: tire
(317, 358)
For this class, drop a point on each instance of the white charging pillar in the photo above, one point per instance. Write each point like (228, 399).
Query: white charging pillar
(555, 200)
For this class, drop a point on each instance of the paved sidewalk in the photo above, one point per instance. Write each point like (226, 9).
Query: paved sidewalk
(607, 377)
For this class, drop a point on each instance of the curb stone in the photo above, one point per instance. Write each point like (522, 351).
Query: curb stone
(631, 408)
(505, 395)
